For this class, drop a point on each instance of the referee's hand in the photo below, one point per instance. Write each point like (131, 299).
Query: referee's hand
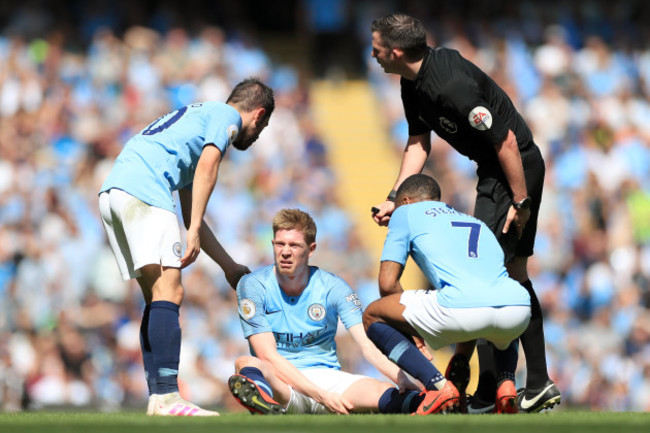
(382, 212)
(517, 219)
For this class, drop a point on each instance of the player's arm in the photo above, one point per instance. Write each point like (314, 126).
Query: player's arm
(389, 275)
(193, 205)
(510, 160)
(415, 156)
(263, 345)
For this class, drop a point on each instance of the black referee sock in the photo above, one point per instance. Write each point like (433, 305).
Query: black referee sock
(533, 343)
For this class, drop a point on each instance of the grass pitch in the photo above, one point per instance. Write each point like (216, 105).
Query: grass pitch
(552, 422)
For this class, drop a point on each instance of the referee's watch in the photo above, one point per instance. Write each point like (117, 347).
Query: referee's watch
(524, 204)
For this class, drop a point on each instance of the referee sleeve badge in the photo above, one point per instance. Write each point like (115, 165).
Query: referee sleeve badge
(480, 118)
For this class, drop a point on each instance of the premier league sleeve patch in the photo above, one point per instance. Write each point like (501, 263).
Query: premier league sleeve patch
(247, 309)
(316, 312)
(480, 118)
(232, 132)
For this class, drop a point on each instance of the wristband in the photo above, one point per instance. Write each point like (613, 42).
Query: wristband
(392, 195)
(524, 204)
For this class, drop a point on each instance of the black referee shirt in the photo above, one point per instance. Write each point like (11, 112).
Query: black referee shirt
(463, 105)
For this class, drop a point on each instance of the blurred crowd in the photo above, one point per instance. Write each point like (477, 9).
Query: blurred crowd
(69, 326)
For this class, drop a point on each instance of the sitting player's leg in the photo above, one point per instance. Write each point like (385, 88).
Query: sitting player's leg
(371, 395)
(387, 328)
(256, 387)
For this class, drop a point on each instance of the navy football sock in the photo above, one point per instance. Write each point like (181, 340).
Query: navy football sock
(399, 349)
(165, 341)
(391, 401)
(506, 361)
(255, 374)
(150, 372)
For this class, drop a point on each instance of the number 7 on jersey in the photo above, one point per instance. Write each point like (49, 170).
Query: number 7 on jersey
(474, 233)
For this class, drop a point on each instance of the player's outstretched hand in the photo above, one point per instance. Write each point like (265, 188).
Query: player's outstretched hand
(381, 213)
(234, 274)
(336, 403)
(193, 248)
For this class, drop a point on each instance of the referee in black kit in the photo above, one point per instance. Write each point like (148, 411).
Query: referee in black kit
(443, 92)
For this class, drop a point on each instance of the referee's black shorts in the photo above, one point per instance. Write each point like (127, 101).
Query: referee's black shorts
(494, 198)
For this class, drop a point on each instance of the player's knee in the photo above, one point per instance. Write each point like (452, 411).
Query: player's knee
(370, 316)
(247, 361)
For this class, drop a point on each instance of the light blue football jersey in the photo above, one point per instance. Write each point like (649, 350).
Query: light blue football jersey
(162, 158)
(457, 253)
(304, 326)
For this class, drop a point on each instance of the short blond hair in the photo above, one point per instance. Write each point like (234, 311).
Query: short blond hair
(295, 219)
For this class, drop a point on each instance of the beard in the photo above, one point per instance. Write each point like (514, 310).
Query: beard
(245, 141)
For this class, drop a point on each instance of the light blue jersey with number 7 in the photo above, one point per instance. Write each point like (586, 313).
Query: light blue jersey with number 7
(457, 253)
(162, 158)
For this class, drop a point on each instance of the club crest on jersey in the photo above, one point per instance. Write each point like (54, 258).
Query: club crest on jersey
(232, 132)
(177, 249)
(246, 308)
(316, 312)
(480, 118)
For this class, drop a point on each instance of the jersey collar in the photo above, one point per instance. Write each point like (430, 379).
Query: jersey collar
(423, 67)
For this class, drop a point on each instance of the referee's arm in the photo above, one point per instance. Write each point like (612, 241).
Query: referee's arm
(510, 160)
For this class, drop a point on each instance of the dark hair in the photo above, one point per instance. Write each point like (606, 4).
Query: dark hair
(418, 186)
(251, 94)
(404, 32)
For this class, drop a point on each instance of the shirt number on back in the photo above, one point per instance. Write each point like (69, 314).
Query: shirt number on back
(164, 122)
(472, 241)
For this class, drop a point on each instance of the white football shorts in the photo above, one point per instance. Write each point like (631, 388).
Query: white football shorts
(441, 326)
(331, 380)
(139, 234)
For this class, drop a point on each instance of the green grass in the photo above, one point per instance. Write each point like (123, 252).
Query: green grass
(552, 422)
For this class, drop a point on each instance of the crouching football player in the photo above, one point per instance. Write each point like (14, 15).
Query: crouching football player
(289, 312)
(473, 298)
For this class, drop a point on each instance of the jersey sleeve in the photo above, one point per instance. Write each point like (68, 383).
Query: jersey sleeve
(346, 302)
(251, 302)
(397, 243)
(221, 129)
(463, 95)
(416, 125)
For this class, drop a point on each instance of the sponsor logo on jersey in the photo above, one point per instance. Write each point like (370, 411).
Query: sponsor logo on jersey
(177, 249)
(316, 312)
(480, 118)
(354, 299)
(247, 308)
(232, 132)
(290, 340)
(448, 125)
